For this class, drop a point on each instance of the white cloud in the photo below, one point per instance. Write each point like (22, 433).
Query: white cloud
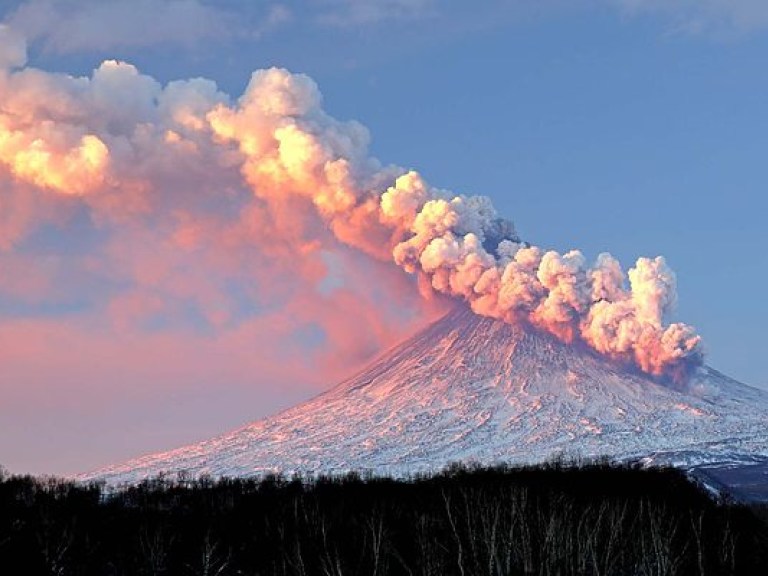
(72, 26)
(705, 15)
(356, 12)
(686, 15)
(66, 26)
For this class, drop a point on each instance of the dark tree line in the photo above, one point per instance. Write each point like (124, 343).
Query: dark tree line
(588, 520)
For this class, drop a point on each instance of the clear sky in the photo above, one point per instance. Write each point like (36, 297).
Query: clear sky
(636, 127)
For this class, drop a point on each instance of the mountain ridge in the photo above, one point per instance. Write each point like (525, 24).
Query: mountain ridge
(469, 388)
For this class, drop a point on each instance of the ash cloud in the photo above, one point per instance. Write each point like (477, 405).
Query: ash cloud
(131, 150)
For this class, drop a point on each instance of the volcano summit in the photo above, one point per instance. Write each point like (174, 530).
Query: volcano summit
(474, 389)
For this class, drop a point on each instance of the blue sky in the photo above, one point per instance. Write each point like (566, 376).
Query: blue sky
(634, 127)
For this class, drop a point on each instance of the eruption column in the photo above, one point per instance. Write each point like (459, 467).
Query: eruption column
(459, 244)
(105, 136)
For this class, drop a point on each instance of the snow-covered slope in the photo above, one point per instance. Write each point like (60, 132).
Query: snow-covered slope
(469, 388)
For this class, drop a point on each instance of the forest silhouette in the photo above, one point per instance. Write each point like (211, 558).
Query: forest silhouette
(590, 519)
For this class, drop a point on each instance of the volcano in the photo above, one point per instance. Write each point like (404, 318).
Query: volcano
(475, 389)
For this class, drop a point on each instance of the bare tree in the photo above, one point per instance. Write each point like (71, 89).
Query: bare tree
(697, 528)
(212, 562)
(660, 556)
(154, 546)
(55, 542)
(455, 533)
(376, 531)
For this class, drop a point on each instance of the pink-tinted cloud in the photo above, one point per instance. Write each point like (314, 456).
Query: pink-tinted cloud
(77, 394)
(197, 193)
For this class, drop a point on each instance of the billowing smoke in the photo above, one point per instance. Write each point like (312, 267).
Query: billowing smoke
(102, 139)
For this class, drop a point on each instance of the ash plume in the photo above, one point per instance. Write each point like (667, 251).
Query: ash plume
(128, 148)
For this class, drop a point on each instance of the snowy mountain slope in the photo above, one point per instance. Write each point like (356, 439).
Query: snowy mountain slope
(469, 388)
